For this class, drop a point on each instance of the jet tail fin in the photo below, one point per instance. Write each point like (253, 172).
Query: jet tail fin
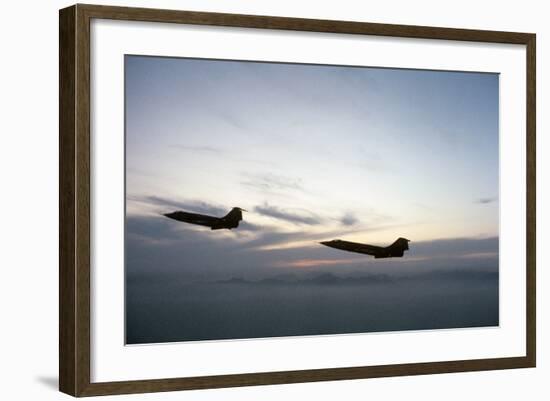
(234, 216)
(400, 244)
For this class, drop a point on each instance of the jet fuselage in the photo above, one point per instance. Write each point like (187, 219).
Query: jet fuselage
(395, 250)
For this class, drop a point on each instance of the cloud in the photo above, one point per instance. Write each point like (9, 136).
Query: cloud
(304, 217)
(272, 239)
(364, 279)
(186, 205)
(150, 229)
(457, 247)
(348, 219)
(316, 262)
(272, 182)
(316, 279)
(484, 201)
(158, 246)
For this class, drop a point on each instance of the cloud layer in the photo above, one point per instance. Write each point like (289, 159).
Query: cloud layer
(295, 217)
(156, 245)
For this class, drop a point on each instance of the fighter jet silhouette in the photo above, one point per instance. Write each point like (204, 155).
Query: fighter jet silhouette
(394, 250)
(229, 221)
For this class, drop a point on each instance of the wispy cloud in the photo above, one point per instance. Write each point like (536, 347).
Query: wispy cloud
(484, 201)
(295, 217)
(456, 247)
(220, 153)
(160, 245)
(304, 263)
(272, 240)
(185, 205)
(349, 219)
(272, 182)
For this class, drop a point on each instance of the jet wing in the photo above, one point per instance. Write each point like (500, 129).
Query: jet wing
(362, 248)
(354, 247)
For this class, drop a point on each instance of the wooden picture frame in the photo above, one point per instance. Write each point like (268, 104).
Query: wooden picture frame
(74, 203)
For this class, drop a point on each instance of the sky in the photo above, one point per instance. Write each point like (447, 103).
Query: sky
(313, 153)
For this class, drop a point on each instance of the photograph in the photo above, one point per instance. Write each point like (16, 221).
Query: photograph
(268, 199)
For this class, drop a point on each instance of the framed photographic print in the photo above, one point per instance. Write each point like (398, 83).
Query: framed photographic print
(251, 200)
